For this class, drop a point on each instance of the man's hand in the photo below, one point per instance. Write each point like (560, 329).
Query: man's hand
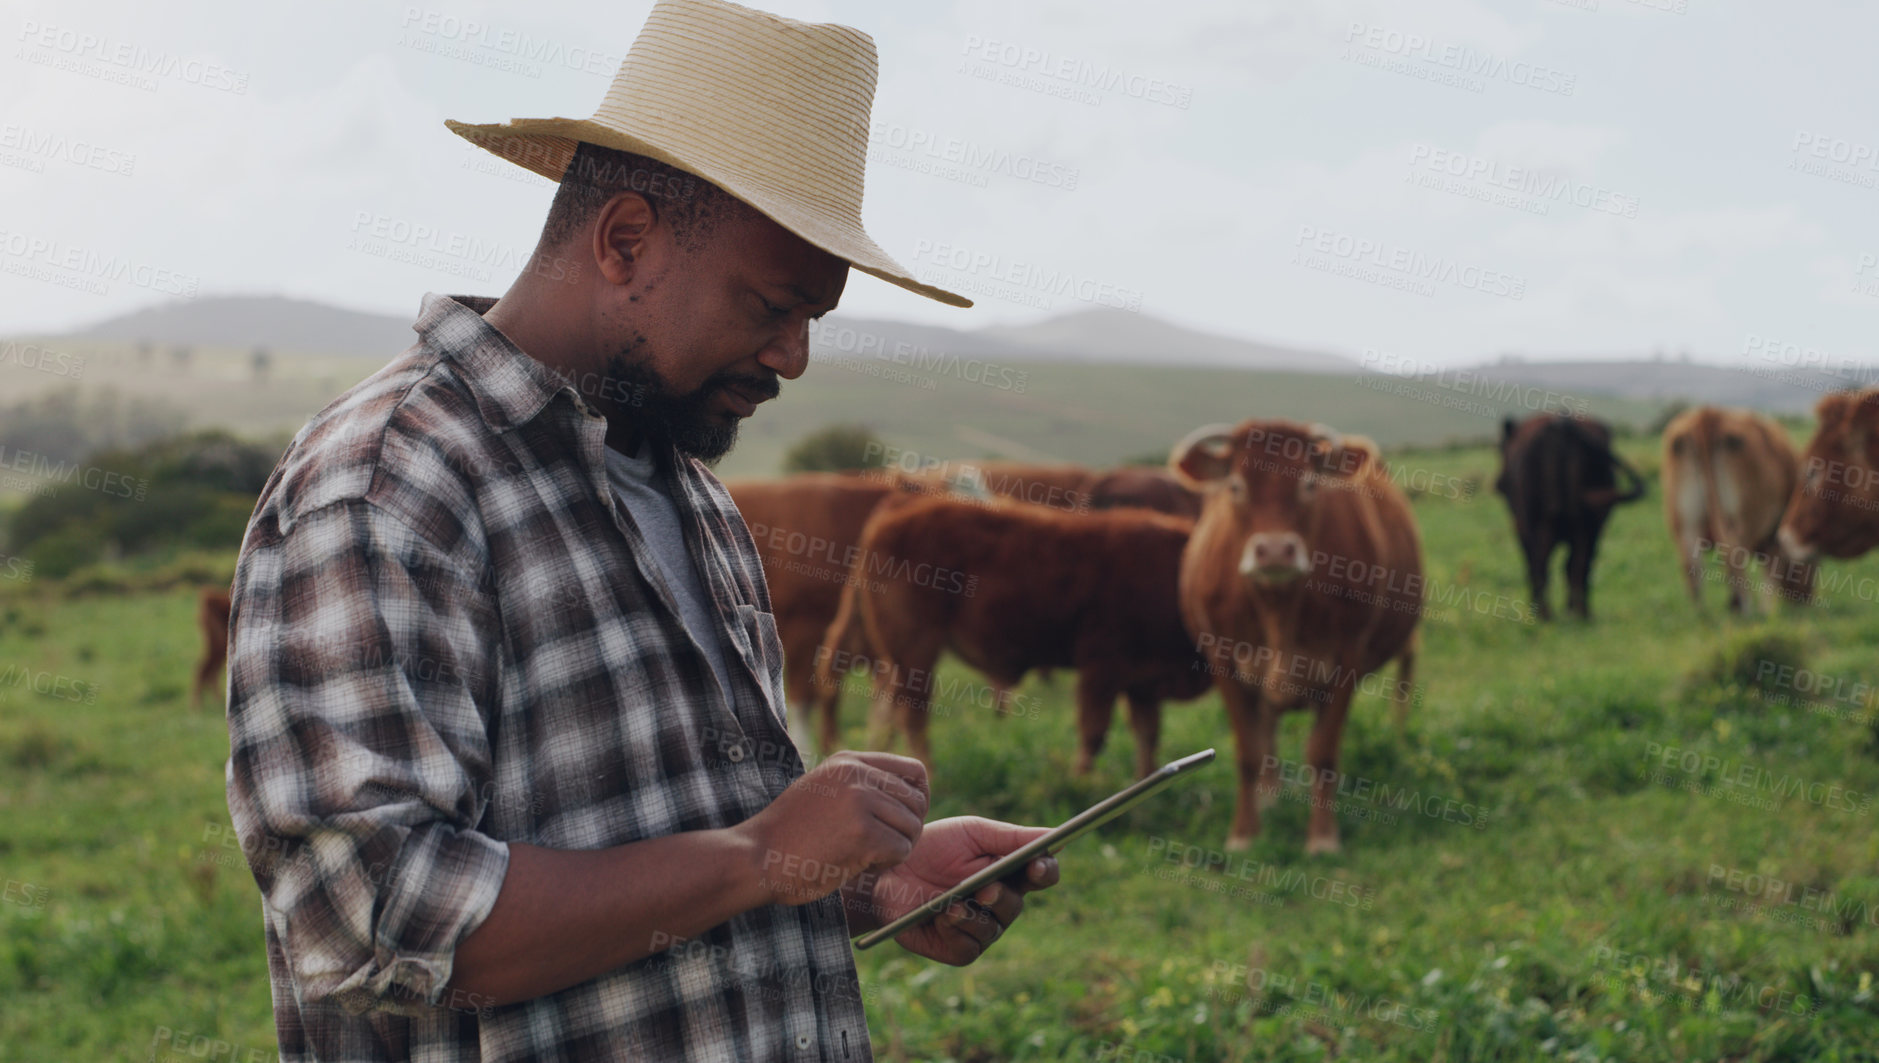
(855, 812)
(948, 851)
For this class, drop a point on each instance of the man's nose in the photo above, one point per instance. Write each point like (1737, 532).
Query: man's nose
(788, 354)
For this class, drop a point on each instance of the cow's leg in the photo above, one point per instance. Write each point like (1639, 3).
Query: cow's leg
(911, 690)
(1321, 751)
(1579, 554)
(1740, 576)
(1539, 544)
(205, 672)
(1145, 721)
(1243, 708)
(1691, 550)
(1096, 705)
(1270, 784)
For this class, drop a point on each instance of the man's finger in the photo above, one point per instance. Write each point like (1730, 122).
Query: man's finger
(973, 920)
(1040, 874)
(907, 768)
(1002, 901)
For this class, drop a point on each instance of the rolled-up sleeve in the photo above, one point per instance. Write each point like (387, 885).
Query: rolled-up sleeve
(362, 667)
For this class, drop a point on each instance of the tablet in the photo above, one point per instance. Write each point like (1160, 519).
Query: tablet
(1045, 845)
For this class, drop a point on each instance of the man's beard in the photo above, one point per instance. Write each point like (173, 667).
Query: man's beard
(685, 421)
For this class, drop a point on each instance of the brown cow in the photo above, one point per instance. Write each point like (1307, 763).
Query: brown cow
(212, 617)
(1728, 475)
(807, 528)
(1835, 509)
(1010, 588)
(1304, 575)
(1142, 488)
(1559, 475)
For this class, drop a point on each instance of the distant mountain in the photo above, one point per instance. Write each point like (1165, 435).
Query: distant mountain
(274, 322)
(303, 326)
(1105, 335)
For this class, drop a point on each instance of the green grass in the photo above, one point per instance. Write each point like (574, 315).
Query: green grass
(1547, 932)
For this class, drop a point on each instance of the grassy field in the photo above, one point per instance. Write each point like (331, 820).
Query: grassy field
(1557, 885)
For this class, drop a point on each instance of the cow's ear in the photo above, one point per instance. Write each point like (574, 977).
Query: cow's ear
(1508, 427)
(1205, 456)
(1348, 458)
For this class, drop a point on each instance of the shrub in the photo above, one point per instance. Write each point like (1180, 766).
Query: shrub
(1753, 661)
(836, 448)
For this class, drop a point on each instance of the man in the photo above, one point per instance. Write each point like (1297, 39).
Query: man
(506, 739)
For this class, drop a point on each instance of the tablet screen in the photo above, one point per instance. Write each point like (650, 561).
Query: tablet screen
(1073, 828)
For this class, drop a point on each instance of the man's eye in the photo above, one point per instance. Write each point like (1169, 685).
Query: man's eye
(771, 308)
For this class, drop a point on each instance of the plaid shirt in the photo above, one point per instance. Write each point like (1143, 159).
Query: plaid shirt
(448, 636)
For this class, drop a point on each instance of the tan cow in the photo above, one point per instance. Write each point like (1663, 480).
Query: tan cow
(1303, 576)
(1728, 475)
(1835, 510)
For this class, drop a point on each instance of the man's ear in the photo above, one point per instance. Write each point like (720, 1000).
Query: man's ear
(624, 237)
(1205, 456)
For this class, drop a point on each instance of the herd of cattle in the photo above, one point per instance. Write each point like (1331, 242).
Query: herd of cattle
(1273, 561)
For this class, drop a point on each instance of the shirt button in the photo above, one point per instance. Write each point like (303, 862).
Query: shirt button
(802, 1041)
(736, 753)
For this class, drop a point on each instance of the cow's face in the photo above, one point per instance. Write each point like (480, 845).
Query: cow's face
(1265, 478)
(1835, 508)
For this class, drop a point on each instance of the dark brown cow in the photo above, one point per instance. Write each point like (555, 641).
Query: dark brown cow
(1728, 475)
(1303, 576)
(1142, 488)
(1560, 475)
(1835, 509)
(807, 529)
(212, 617)
(1010, 588)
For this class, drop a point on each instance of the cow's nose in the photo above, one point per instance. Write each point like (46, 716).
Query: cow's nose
(1274, 556)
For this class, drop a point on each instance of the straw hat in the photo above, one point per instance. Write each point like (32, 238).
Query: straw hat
(771, 110)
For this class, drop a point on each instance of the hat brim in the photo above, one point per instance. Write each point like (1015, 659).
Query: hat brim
(546, 146)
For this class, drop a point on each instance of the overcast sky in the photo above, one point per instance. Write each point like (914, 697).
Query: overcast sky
(1447, 180)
